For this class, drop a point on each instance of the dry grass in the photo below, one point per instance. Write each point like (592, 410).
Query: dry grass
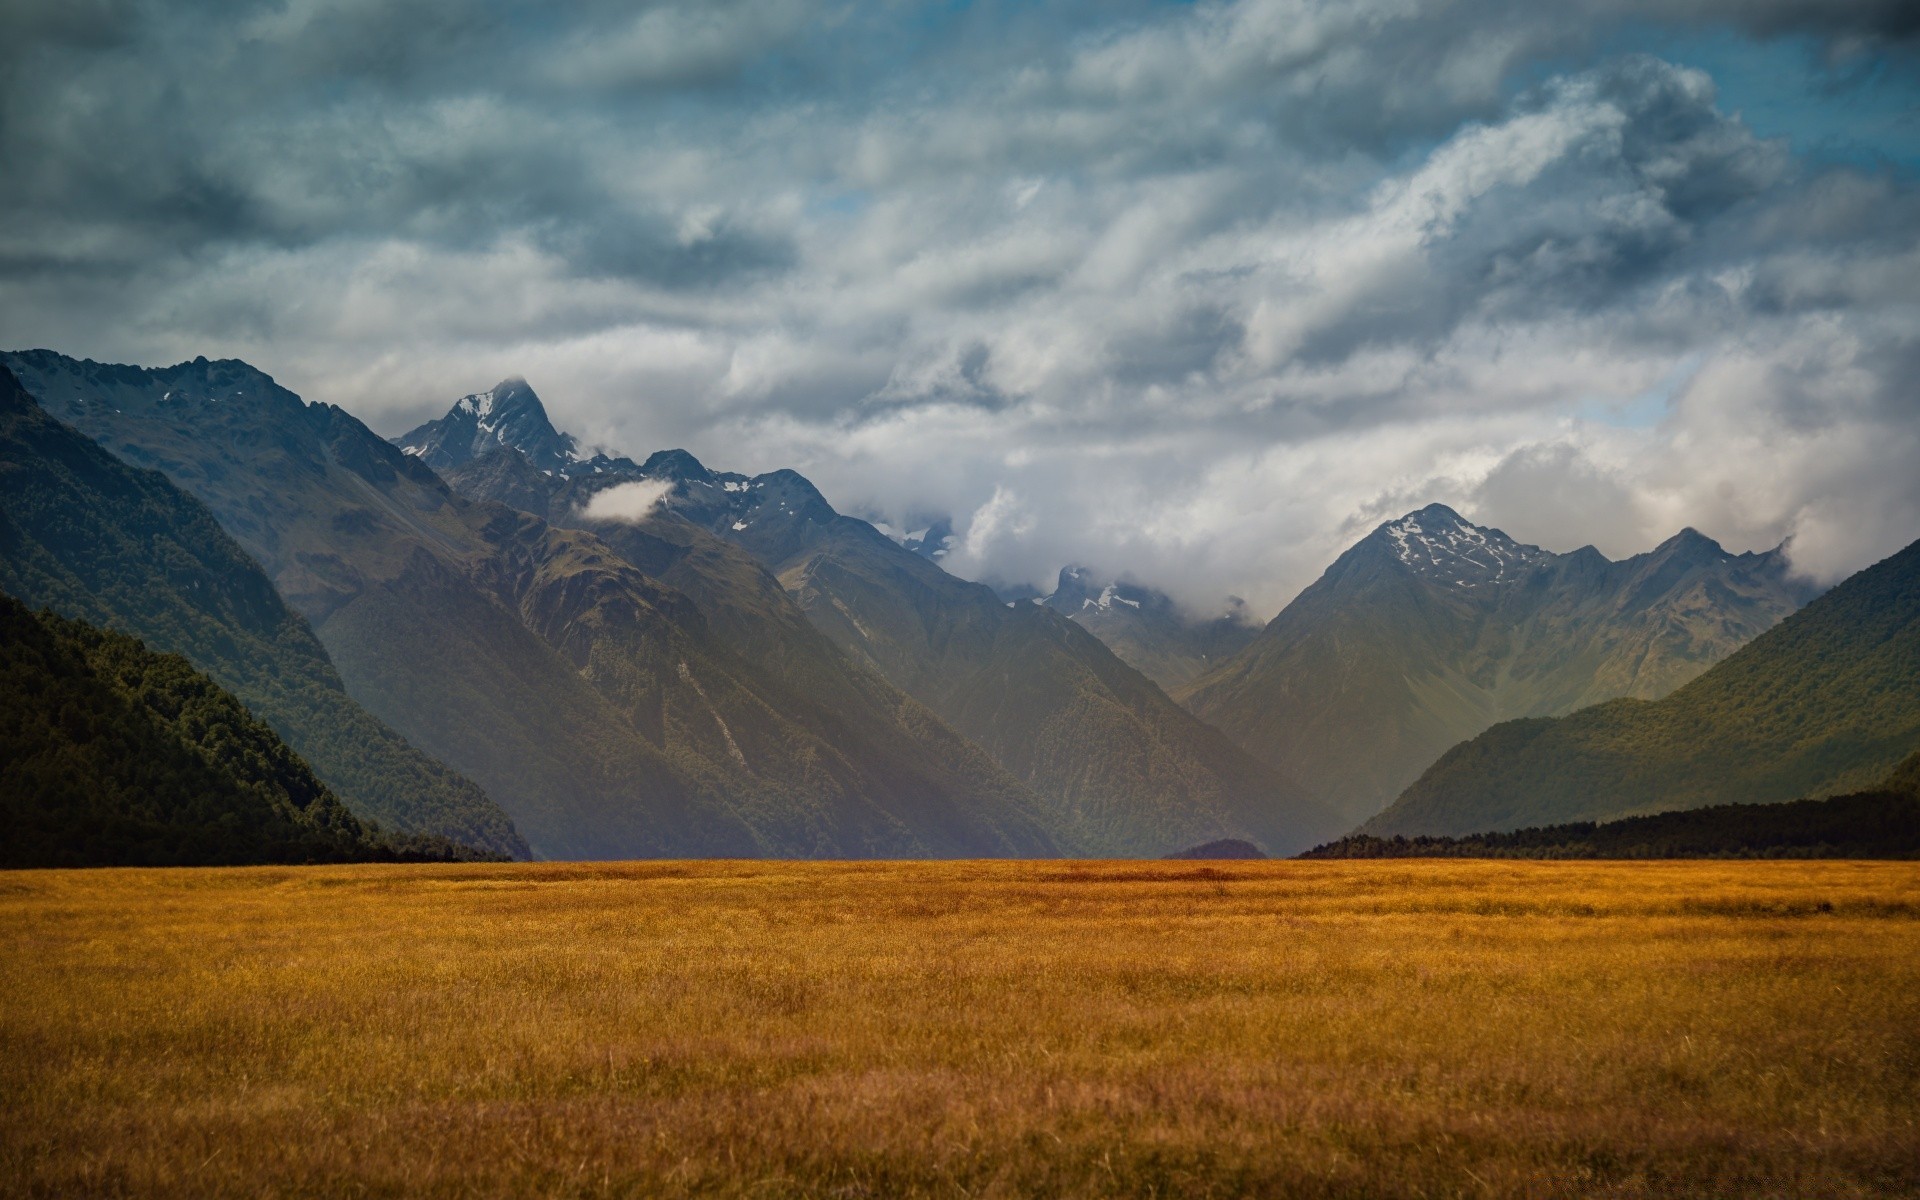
(769, 1029)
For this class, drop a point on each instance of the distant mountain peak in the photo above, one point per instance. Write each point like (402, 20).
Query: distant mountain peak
(1440, 544)
(1079, 588)
(508, 414)
(511, 393)
(676, 465)
(1690, 543)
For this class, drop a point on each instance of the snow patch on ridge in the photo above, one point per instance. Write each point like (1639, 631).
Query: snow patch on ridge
(1435, 542)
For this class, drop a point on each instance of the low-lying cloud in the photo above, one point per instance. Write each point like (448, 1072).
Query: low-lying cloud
(631, 502)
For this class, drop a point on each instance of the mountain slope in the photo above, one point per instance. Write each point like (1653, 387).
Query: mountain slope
(1145, 629)
(117, 755)
(1431, 629)
(1828, 701)
(90, 537)
(593, 702)
(873, 736)
(1120, 768)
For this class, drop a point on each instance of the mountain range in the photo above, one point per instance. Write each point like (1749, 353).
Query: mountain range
(476, 632)
(594, 703)
(1118, 768)
(1431, 629)
(1827, 702)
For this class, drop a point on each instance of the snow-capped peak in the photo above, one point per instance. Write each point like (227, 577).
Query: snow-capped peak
(507, 414)
(1438, 543)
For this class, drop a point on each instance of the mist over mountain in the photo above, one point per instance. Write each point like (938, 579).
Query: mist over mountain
(1147, 629)
(1431, 629)
(655, 657)
(1118, 767)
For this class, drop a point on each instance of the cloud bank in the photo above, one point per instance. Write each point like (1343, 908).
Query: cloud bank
(1196, 294)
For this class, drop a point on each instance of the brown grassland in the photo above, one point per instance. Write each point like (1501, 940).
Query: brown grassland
(963, 1029)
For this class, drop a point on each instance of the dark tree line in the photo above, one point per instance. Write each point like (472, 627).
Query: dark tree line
(1878, 824)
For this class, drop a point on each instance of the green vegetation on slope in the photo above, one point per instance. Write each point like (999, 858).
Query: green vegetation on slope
(1124, 770)
(1116, 767)
(1826, 702)
(90, 537)
(118, 755)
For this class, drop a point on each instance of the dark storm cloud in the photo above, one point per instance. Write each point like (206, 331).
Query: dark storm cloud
(1190, 292)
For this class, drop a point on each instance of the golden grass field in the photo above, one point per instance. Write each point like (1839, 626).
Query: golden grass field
(973, 1029)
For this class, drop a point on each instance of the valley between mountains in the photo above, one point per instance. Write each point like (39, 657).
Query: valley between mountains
(481, 640)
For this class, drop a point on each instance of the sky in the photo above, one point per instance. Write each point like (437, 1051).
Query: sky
(1193, 294)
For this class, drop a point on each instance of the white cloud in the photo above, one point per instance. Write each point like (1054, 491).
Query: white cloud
(629, 502)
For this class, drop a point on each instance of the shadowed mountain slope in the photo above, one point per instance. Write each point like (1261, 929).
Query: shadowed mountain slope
(893, 742)
(92, 538)
(591, 700)
(1432, 629)
(1119, 767)
(1826, 702)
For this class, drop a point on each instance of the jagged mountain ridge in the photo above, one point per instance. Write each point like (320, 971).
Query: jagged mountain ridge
(1431, 629)
(88, 536)
(592, 701)
(507, 414)
(1826, 702)
(1121, 768)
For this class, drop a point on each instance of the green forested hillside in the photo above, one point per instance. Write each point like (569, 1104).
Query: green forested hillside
(117, 755)
(1123, 770)
(1906, 776)
(90, 537)
(1826, 702)
(1883, 823)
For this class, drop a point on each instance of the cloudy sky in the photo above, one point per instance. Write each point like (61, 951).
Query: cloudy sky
(1197, 293)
